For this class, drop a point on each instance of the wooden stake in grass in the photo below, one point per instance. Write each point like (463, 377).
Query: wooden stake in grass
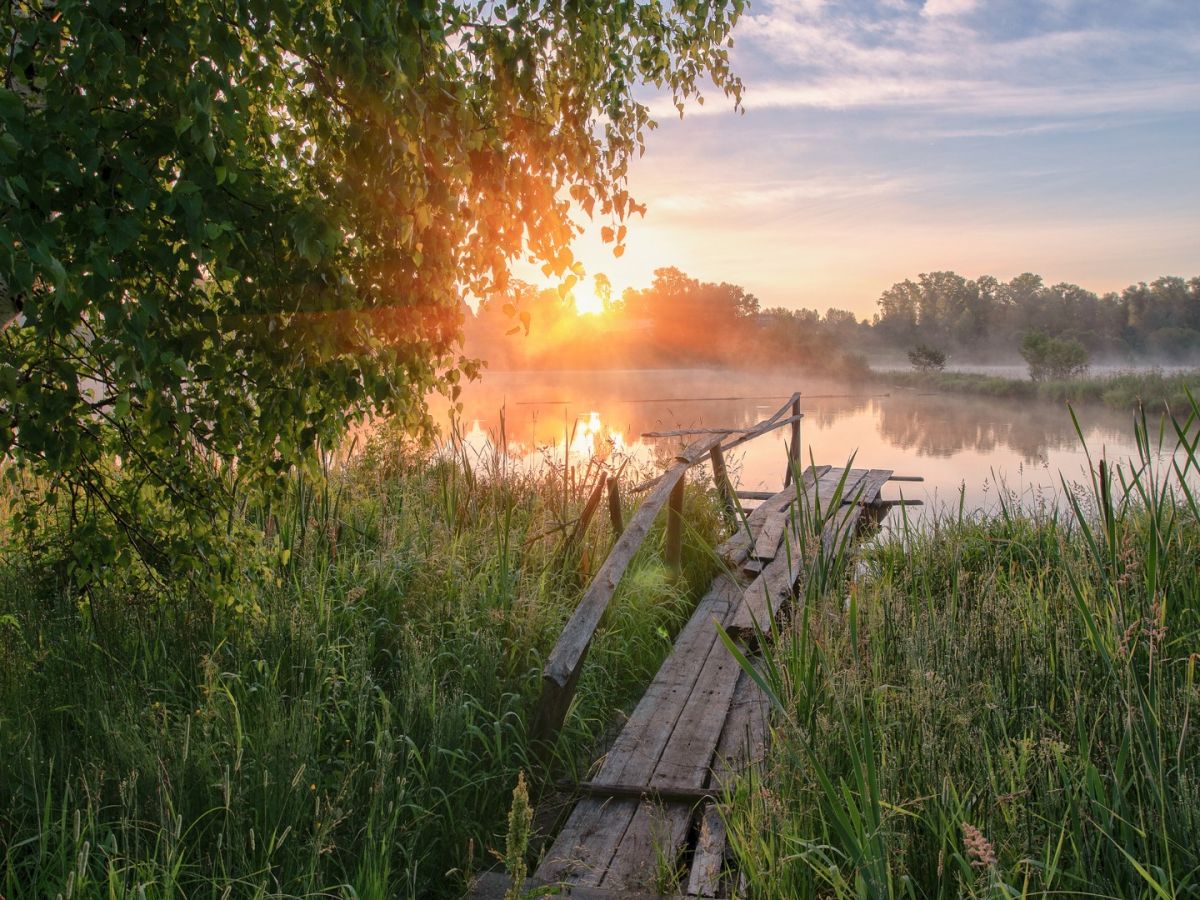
(673, 550)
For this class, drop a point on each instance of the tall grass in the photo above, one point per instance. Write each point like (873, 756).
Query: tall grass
(355, 731)
(996, 706)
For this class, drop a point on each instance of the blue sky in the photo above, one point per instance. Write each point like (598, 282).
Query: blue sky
(884, 139)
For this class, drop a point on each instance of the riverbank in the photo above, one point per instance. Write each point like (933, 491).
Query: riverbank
(984, 706)
(993, 707)
(1122, 390)
(356, 731)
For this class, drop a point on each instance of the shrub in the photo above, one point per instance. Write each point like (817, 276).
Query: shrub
(927, 359)
(1053, 358)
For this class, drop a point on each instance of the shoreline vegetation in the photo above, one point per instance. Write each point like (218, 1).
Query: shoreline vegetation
(1152, 388)
(989, 705)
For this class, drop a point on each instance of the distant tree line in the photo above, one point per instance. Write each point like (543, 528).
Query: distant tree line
(680, 321)
(985, 315)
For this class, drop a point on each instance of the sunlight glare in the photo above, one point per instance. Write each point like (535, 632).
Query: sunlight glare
(588, 302)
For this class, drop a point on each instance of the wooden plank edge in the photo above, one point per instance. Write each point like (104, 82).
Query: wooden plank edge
(495, 885)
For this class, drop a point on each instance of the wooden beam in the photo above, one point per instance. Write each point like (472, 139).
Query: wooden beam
(566, 659)
(673, 546)
(663, 794)
(755, 495)
(906, 478)
(777, 420)
(496, 886)
(721, 478)
(589, 510)
(759, 430)
(793, 462)
(614, 505)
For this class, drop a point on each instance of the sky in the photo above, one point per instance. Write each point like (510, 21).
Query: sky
(885, 139)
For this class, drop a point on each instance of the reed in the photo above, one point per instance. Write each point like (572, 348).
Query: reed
(996, 706)
(357, 729)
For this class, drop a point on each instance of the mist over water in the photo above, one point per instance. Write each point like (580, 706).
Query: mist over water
(966, 448)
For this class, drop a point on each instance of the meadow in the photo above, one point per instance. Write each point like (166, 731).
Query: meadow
(990, 705)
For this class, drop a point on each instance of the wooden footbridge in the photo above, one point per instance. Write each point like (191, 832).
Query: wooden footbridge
(647, 823)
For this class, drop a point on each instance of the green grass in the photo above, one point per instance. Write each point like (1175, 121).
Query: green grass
(357, 733)
(1124, 390)
(1020, 687)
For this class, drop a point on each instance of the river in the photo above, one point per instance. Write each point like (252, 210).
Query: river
(968, 449)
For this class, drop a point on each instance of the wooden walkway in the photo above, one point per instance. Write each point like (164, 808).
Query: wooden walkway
(646, 823)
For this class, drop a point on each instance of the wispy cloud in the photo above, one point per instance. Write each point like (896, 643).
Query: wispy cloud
(947, 55)
(947, 7)
(888, 137)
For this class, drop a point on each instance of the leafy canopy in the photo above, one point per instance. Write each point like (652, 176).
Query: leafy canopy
(228, 231)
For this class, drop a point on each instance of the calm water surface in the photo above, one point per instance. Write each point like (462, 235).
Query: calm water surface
(965, 447)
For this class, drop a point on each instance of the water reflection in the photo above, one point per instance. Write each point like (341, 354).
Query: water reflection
(957, 443)
(944, 426)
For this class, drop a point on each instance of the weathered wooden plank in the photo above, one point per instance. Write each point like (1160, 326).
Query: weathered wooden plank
(742, 745)
(737, 546)
(708, 862)
(794, 457)
(655, 835)
(776, 420)
(744, 736)
(566, 659)
(659, 794)
(744, 435)
(840, 527)
(673, 545)
(770, 534)
(768, 592)
(584, 847)
(658, 832)
(641, 743)
(495, 886)
(868, 491)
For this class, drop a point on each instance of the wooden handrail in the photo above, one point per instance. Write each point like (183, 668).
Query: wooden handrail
(777, 420)
(561, 672)
(566, 659)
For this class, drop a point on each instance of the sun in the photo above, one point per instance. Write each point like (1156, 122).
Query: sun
(588, 302)
(592, 299)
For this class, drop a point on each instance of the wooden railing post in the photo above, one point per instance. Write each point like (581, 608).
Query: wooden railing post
(614, 505)
(565, 661)
(673, 552)
(794, 448)
(724, 488)
(589, 510)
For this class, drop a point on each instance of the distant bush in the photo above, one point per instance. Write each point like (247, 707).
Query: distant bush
(927, 359)
(1051, 358)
